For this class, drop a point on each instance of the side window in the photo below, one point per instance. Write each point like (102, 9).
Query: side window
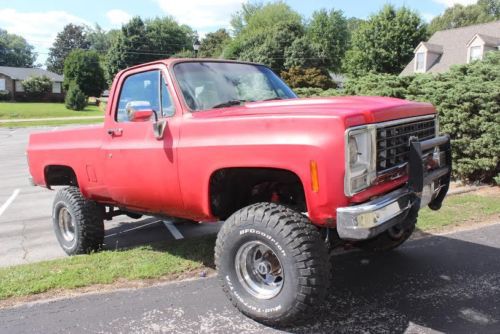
(167, 105)
(140, 90)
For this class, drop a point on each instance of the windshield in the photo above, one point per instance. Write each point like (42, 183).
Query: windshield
(209, 85)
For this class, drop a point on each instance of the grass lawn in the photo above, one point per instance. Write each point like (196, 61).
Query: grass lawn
(459, 209)
(50, 123)
(107, 267)
(20, 110)
(167, 261)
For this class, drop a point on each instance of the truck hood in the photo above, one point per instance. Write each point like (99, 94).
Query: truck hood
(353, 110)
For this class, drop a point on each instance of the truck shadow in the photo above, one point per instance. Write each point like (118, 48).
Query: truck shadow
(437, 283)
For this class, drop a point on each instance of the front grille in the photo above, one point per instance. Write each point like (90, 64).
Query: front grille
(393, 141)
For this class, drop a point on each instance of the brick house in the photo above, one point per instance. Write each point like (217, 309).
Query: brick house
(11, 79)
(454, 47)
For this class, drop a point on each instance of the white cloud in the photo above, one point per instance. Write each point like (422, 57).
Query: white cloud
(38, 28)
(451, 3)
(202, 15)
(118, 17)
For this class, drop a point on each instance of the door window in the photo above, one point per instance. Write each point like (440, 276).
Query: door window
(140, 90)
(167, 105)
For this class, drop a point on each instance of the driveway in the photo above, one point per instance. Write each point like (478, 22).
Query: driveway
(26, 233)
(445, 284)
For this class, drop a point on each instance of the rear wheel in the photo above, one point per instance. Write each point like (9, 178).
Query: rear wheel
(272, 263)
(78, 223)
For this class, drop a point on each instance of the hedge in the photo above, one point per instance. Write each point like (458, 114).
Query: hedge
(467, 99)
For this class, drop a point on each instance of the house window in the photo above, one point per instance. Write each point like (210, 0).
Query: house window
(476, 53)
(19, 86)
(56, 87)
(420, 62)
(2, 84)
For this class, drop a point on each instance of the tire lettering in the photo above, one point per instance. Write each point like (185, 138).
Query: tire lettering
(265, 235)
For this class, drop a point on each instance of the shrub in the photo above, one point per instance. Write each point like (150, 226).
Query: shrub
(378, 85)
(36, 87)
(468, 102)
(317, 92)
(299, 77)
(5, 95)
(75, 98)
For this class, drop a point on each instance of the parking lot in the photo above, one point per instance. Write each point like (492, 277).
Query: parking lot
(26, 233)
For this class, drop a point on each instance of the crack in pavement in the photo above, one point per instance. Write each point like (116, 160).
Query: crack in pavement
(23, 239)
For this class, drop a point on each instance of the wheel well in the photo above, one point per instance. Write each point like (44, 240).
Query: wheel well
(234, 188)
(56, 175)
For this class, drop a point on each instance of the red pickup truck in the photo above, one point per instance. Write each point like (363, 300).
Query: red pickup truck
(209, 140)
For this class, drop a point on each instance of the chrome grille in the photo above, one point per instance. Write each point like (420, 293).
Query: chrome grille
(393, 141)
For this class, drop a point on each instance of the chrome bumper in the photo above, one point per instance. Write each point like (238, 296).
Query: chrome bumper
(424, 188)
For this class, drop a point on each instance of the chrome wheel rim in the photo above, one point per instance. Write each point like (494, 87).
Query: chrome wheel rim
(259, 270)
(66, 225)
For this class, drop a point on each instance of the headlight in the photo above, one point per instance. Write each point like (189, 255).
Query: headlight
(360, 158)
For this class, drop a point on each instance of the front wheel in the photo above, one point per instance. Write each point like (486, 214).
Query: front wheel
(272, 263)
(78, 222)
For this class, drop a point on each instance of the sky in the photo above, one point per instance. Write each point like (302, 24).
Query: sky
(39, 21)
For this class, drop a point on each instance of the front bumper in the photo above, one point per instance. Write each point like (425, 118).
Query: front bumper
(425, 187)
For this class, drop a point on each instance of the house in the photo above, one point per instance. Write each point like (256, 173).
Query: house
(11, 79)
(453, 47)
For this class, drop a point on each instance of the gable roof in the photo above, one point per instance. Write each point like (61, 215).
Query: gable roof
(488, 40)
(454, 45)
(431, 47)
(23, 73)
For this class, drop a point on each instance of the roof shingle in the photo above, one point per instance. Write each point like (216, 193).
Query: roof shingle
(23, 73)
(454, 44)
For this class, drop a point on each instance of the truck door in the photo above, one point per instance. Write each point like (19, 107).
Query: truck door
(140, 170)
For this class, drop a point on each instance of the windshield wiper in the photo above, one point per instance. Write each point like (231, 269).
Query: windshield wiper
(229, 103)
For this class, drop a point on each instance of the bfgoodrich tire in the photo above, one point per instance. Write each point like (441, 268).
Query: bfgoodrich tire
(272, 263)
(78, 222)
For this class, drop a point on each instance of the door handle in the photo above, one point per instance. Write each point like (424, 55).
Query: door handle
(115, 132)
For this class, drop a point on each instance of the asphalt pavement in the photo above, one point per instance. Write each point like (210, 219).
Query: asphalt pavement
(447, 284)
(26, 233)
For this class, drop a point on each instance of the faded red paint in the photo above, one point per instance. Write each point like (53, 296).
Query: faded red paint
(171, 176)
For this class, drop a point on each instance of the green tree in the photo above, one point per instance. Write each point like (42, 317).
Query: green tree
(385, 42)
(143, 41)
(302, 53)
(266, 32)
(15, 51)
(83, 68)
(213, 44)
(460, 16)
(70, 38)
(99, 39)
(328, 33)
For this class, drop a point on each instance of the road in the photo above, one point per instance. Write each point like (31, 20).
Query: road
(437, 284)
(26, 233)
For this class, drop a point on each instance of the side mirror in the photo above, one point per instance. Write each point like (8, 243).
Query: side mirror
(159, 128)
(140, 111)
(140, 115)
